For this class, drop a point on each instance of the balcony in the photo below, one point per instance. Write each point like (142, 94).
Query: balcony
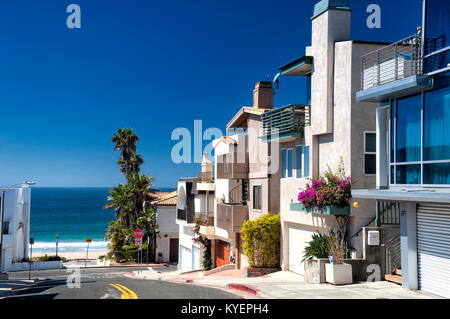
(231, 217)
(232, 165)
(286, 123)
(393, 71)
(206, 182)
(205, 218)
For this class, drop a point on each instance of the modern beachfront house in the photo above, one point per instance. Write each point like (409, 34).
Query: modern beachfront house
(332, 126)
(16, 228)
(247, 181)
(195, 200)
(165, 204)
(407, 84)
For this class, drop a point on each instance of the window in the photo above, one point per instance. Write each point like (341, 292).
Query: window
(5, 228)
(420, 137)
(286, 163)
(257, 197)
(302, 161)
(370, 153)
(437, 34)
(299, 158)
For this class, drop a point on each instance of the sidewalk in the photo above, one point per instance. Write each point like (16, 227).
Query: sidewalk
(285, 285)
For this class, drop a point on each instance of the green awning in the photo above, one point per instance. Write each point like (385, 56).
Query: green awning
(300, 66)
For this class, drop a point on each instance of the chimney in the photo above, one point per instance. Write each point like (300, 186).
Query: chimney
(263, 95)
(207, 165)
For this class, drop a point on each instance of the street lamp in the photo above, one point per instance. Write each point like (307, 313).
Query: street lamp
(3, 214)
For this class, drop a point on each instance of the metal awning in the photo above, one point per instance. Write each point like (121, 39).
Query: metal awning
(300, 67)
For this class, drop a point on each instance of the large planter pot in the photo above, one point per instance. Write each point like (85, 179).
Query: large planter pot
(339, 274)
(328, 210)
(315, 270)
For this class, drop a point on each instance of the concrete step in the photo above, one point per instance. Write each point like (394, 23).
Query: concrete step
(394, 278)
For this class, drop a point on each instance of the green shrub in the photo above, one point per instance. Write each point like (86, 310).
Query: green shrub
(261, 241)
(48, 258)
(319, 246)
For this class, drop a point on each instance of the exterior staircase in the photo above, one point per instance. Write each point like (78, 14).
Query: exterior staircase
(395, 277)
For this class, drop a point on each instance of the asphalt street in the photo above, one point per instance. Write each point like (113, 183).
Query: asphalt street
(107, 283)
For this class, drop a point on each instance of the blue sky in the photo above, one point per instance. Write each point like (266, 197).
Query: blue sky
(149, 65)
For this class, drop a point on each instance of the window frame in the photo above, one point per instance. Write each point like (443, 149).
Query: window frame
(285, 171)
(365, 152)
(421, 162)
(258, 210)
(303, 161)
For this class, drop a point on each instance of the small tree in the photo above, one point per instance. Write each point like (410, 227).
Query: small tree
(261, 241)
(206, 245)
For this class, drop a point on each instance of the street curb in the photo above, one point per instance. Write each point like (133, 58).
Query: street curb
(244, 288)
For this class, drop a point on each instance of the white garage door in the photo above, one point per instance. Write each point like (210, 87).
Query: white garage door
(196, 258)
(186, 259)
(433, 248)
(298, 240)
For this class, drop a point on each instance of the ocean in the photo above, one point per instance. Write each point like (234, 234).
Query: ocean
(75, 213)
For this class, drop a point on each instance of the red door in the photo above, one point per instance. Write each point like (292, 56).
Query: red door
(222, 253)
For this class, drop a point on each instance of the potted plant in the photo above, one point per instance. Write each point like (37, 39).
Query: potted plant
(160, 257)
(337, 272)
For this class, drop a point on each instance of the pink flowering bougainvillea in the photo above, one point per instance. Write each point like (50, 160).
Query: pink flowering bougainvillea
(332, 189)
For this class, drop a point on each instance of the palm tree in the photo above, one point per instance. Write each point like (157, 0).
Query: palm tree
(121, 200)
(132, 166)
(125, 141)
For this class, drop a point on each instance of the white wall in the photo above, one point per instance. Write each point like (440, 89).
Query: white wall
(17, 213)
(168, 228)
(166, 218)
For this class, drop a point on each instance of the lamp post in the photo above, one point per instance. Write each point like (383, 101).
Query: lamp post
(3, 215)
(57, 236)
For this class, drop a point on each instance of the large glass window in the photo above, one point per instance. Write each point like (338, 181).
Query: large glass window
(302, 161)
(408, 124)
(437, 26)
(286, 163)
(437, 125)
(420, 137)
(437, 35)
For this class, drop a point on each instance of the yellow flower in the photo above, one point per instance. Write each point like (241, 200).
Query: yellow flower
(356, 204)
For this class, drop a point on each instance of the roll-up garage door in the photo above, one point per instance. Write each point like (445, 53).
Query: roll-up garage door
(433, 248)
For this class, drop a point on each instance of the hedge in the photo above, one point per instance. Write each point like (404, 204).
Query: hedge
(261, 241)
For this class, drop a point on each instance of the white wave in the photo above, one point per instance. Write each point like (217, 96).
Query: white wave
(50, 247)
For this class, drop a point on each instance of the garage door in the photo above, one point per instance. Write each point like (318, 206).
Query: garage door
(298, 240)
(196, 251)
(433, 248)
(222, 253)
(186, 259)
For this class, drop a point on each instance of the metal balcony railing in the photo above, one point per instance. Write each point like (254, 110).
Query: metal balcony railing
(288, 119)
(397, 61)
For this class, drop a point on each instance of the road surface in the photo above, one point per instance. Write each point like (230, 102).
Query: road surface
(108, 283)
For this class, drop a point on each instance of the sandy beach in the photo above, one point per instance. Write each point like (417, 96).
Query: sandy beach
(76, 255)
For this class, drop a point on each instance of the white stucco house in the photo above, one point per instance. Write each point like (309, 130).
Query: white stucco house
(166, 213)
(16, 227)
